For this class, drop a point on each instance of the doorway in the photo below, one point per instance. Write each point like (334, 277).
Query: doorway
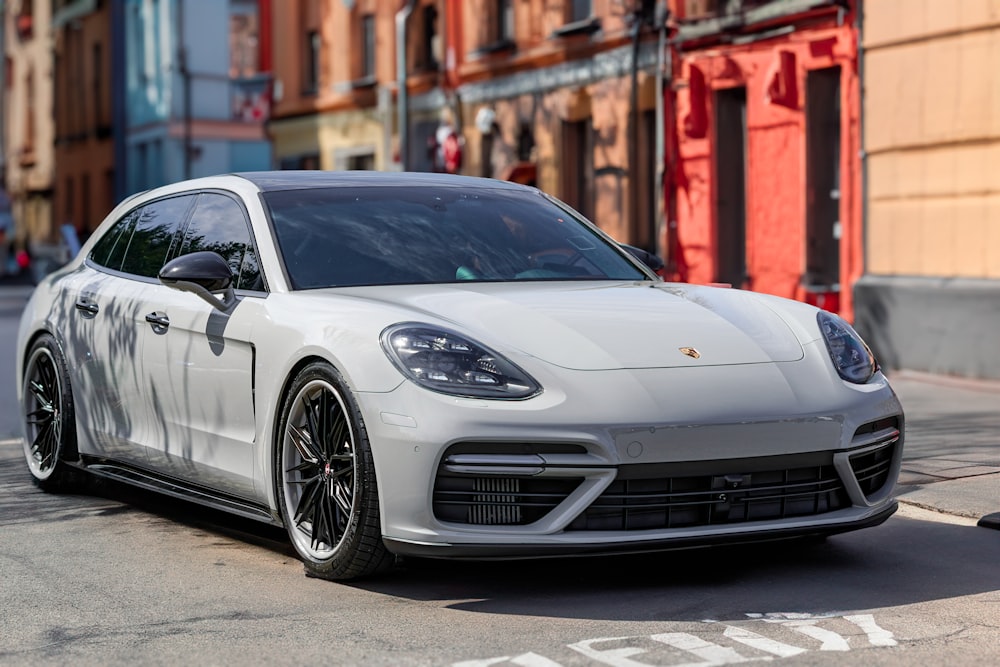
(823, 229)
(731, 187)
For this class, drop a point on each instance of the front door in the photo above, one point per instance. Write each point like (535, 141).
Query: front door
(199, 361)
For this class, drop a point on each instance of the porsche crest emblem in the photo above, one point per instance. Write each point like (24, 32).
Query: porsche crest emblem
(691, 352)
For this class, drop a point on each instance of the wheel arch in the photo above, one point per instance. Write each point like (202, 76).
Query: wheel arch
(72, 451)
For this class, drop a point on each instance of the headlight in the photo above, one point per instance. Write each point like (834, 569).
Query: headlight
(851, 357)
(446, 362)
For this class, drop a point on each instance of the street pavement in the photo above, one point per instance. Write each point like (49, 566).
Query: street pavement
(951, 456)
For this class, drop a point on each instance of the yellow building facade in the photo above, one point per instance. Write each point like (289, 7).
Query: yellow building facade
(931, 296)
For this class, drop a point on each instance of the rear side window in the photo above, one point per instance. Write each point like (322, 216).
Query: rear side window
(110, 250)
(154, 232)
(139, 242)
(218, 224)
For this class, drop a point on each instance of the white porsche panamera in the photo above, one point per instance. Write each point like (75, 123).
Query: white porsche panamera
(442, 366)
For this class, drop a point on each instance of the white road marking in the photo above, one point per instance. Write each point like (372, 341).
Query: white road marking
(711, 654)
(877, 636)
(831, 641)
(616, 657)
(761, 642)
(524, 660)
(622, 650)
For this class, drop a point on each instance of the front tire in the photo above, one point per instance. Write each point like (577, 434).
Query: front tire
(327, 491)
(49, 419)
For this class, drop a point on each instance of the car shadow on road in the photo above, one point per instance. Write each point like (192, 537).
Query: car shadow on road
(904, 561)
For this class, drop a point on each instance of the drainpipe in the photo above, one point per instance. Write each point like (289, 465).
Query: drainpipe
(402, 111)
(661, 56)
(182, 56)
(859, 14)
(633, 133)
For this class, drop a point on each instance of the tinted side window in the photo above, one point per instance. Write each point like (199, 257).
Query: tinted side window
(154, 231)
(219, 225)
(110, 250)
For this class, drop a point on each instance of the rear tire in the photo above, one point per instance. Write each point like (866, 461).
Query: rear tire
(325, 479)
(49, 419)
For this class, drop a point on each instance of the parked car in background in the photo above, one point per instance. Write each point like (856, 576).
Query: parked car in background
(442, 366)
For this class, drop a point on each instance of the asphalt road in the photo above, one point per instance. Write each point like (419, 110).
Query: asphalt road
(120, 577)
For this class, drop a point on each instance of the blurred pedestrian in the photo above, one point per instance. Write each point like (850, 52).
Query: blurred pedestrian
(6, 239)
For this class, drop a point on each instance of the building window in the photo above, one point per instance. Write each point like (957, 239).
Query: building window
(367, 46)
(310, 77)
(25, 20)
(96, 55)
(83, 223)
(68, 202)
(243, 51)
(505, 20)
(579, 10)
(525, 143)
(363, 162)
(307, 161)
(578, 158)
(29, 118)
(427, 58)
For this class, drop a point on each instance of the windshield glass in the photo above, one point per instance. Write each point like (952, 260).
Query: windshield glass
(338, 237)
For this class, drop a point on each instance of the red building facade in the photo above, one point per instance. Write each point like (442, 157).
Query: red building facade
(763, 174)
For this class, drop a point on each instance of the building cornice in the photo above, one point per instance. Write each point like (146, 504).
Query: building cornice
(611, 64)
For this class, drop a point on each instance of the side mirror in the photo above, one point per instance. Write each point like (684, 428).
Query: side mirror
(203, 274)
(654, 262)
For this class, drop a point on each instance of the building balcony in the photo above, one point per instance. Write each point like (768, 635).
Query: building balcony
(700, 19)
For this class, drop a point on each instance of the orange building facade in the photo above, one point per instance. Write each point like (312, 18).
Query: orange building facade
(84, 146)
(557, 93)
(764, 137)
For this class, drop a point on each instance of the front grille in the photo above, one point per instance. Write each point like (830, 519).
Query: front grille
(498, 501)
(872, 467)
(723, 496)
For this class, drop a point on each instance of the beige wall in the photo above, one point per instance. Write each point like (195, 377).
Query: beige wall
(932, 115)
(28, 125)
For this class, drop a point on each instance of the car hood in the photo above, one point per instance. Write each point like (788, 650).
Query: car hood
(605, 326)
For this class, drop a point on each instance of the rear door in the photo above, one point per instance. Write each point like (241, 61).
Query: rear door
(106, 326)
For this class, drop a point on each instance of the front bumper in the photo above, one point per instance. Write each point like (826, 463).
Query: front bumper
(717, 426)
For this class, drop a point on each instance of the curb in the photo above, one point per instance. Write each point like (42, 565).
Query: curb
(988, 521)
(985, 385)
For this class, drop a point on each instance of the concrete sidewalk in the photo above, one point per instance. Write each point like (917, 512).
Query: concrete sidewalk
(951, 457)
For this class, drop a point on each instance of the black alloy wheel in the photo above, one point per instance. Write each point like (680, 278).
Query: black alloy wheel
(326, 483)
(49, 422)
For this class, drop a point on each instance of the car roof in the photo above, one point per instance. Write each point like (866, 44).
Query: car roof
(304, 179)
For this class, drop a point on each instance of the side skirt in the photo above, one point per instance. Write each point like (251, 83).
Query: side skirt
(151, 481)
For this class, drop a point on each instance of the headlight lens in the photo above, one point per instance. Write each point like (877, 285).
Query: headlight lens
(851, 357)
(446, 362)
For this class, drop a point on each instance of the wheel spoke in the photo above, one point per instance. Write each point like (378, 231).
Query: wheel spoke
(343, 503)
(307, 501)
(44, 445)
(303, 444)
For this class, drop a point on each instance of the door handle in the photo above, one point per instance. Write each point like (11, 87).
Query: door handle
(87, 307)
(159, 320)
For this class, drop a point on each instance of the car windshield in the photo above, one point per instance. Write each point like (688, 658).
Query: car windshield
(338, 237)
